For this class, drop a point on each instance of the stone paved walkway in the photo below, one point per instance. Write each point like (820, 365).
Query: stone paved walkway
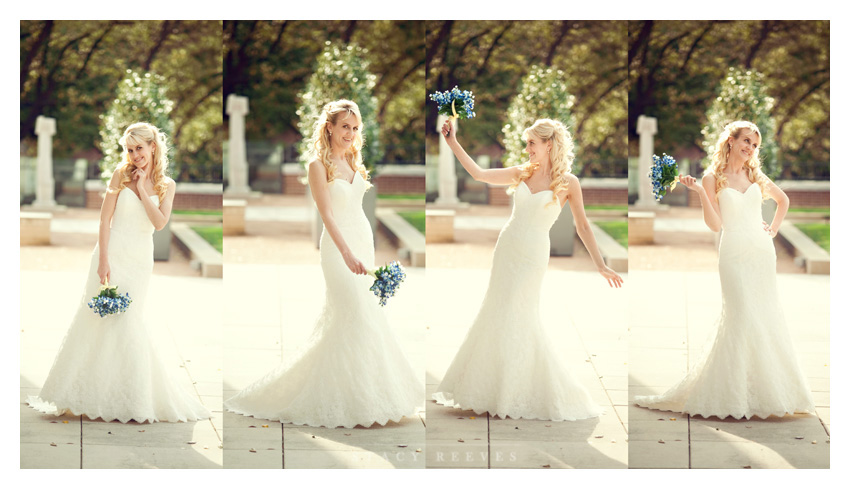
(189, 339)
(269, 314)
(586, 321)
(662, 346)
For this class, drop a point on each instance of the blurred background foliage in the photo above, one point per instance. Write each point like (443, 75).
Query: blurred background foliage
(342, 72)
(491, 58)
(271, 63)
(70, 70)
(675, 74)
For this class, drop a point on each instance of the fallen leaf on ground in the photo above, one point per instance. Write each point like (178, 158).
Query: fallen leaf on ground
(546, 466)
(141, 431)
(402, 446)
(748, 466)
(52, 444)
(65, 422)
(599, 436)
(191, 442)
(265, 426)
(418, 450)
(347, 434)
(252, 450)
(814, 442)
(660, 441)
(798, 437)
(460, 440)
(672, 419)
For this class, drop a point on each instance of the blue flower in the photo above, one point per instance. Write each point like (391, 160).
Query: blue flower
(464, 103)
(664, 173)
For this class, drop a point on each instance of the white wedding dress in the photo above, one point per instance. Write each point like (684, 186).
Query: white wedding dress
(107, 367)
(352, 371)
(506, 365)
(751, 368)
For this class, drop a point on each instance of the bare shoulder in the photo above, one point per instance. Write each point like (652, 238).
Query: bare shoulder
(573, 185)
(317, 167)
(709, 180)
(170, 183)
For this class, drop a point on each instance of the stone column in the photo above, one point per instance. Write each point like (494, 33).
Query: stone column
(45, 128)
(647, 127)
(448, 179)
(237, 108)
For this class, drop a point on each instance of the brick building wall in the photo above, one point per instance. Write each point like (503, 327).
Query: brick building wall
(607, 191)
(189, 196)
(801, 194)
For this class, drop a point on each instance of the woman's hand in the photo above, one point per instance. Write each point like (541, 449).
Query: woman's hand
(353, 264)
(449, 131)
(103, 272)
(769, 230)
(690, 182)
(614, 279)
(140, 176)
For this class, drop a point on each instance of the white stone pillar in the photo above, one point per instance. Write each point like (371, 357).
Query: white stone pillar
(447, 190)
(237, 157)
(647, 127)
(45, 128)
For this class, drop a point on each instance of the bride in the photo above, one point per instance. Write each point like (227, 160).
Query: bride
(506, 366)
(107, 367)
(751, 368)
(353, 371)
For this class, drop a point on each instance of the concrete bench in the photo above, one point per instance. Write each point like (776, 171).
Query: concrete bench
(233, 217)
(812, 256)
(201, 253)
(35, 228)
(641, 228)
(407, 238)
(439, 226)
(613, 252)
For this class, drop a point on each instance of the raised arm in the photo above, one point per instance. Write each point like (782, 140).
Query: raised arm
(107, 210)
(318, 177)
(495, 176)
(783, 203)
(158, 215)
(707, 197)
(585, 232)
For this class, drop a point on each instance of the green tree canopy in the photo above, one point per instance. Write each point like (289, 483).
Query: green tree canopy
(676, 67)
(491, 58)
(70, 70)
(271, 62)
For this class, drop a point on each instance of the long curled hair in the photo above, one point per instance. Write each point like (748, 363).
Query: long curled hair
(321, 141)
(720, 158)
(142, 132)
(560, 156)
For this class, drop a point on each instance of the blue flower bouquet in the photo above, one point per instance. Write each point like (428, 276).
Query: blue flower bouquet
(664, 173)
(455, 103)
(109, 301)
(388, 278)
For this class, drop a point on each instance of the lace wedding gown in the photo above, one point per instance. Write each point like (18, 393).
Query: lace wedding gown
(107, 367)
(352, 371)
(751, 368)
(506, 366)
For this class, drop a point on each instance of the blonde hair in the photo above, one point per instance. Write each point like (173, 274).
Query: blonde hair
(136, 134)
(720, 158)
(321, 142)
(560, 155)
